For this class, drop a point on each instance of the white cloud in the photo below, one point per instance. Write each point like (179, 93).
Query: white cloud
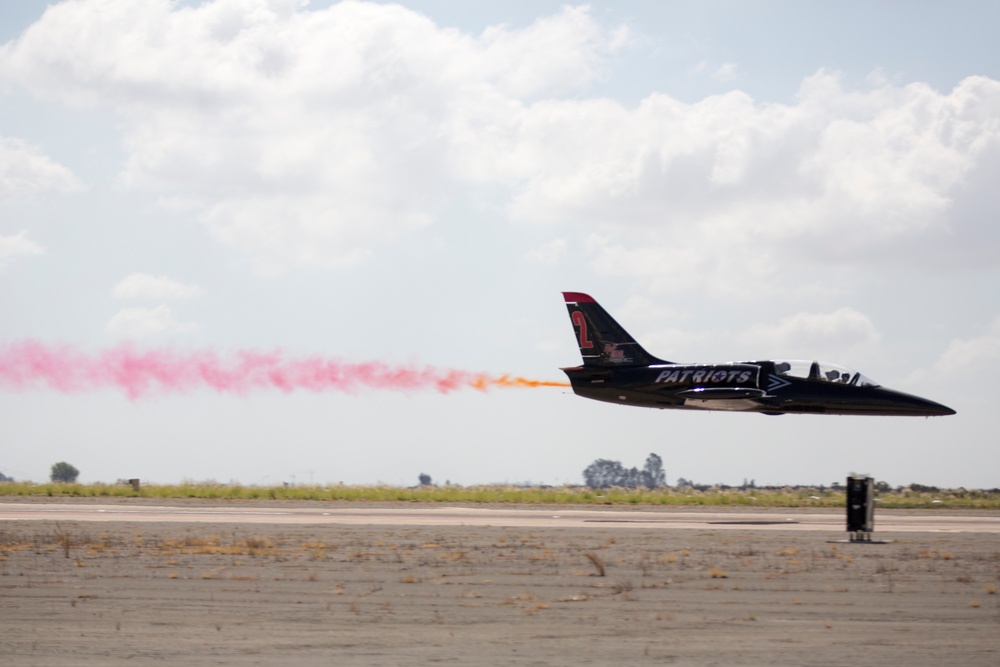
(309, 138)
(828, 335)
(661, 330)
(556, 53)
(158, 288)
(550, 253)
(737, 196)
(18, 245)
(980, 353)
(965, 370)
(724, 72)
(25, 171)
(142, 322)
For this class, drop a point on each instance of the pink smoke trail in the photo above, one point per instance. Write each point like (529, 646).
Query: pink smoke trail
(31, 364)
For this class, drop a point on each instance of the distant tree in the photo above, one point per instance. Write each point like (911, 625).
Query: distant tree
(653, 475)
(631, 478)
(5, 478)
(64, 472)
(923, 488)
(683, 483)
(425, 479)
(604, 473)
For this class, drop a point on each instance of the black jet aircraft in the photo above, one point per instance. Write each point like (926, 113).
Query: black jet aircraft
(616, 369)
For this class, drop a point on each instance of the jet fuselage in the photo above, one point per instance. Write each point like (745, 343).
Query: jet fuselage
(617, 370)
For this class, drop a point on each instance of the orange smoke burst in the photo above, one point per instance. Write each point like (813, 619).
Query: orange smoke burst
(484, 382)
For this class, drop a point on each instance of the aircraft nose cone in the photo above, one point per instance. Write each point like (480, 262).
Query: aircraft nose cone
(940, 410)
(915, 405)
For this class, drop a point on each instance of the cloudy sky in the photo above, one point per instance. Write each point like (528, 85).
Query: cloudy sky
(414, 184)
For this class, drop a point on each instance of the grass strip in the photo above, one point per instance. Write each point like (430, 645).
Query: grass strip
(498, 494)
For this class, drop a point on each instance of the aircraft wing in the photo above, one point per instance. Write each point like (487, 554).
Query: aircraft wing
(720, 393)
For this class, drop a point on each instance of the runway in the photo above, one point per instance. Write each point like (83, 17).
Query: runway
(886, 521)
(99, 582)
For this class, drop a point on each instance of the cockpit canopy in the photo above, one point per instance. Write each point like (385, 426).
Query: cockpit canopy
(823, 372)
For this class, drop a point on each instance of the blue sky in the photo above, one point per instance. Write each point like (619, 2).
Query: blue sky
(416, 183)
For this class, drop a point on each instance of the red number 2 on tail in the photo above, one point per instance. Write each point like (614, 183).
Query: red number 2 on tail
(581, 323)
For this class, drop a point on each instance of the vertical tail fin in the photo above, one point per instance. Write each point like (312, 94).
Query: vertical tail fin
(602, 341)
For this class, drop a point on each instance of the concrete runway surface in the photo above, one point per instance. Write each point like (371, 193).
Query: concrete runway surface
(888, 521)
(120, 583)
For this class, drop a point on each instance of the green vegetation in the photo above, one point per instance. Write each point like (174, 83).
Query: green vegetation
(904, 498)
(604, 474)
(64, 472)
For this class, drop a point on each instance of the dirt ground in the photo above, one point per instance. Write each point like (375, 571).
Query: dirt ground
(124, 593)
